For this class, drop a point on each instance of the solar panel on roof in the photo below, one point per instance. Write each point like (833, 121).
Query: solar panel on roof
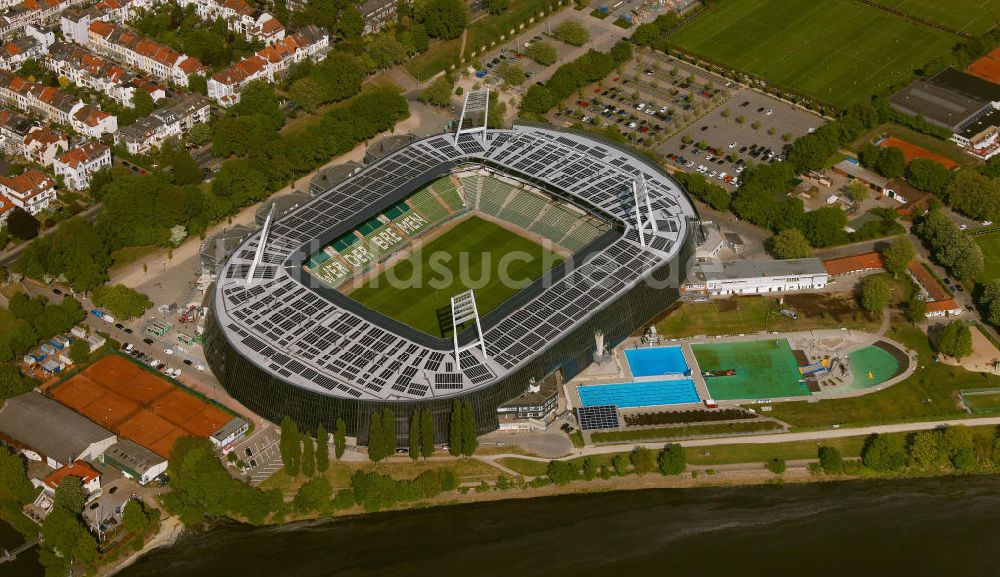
(598, 417)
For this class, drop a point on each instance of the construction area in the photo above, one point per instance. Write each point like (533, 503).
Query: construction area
(137, 404)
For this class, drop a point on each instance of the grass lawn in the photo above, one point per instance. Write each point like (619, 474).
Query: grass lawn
(837, 51)
(752, 314)
(969, 16)
(439, 56)
(473, 254)
(685, 431)
(764, 369)
(990, 245)
(927, 395)
(489, 28)
(128, 255)
(307, 121)
(986, 403)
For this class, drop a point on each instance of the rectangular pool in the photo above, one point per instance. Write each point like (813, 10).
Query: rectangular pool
(656, 361)
(639, 394)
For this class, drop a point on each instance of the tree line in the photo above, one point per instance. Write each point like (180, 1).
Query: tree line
(956, 448)
(300, 454)
(572, 76)
(671, 460)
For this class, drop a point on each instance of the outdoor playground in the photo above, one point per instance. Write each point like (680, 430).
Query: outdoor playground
(137, 404)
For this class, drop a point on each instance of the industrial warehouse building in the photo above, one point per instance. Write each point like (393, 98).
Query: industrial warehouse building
(45, 430)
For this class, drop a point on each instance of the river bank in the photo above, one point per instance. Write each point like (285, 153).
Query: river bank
(862, 527)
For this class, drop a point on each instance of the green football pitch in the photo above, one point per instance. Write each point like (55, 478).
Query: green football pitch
(764, 370)
(474, 254)
(836, 51)
(969, 16)
(989, 243)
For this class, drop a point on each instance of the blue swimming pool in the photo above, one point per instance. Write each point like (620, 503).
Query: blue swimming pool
(639, 394)
(657, 361)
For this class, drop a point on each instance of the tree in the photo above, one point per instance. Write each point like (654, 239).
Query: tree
(512, 74)
(790, 243)
(198, 83)
(199, 134)
(376, 438)
(957, 446)
(388, 433)
(572, 32)
(134, 517)
(444, 18)
(14, 483)
(561, 472)
(426, 433)
(643, 460)
(70, 495)
(956, 340)
(340, 438)
(543, 53)
(306, 93)
(289, 446)
(469, 431)
(672, 459)
(308, 456)
(415, 435)
(897, 255)
(322, 450)
(916, 309)
(497, 6)
(66, 541)
(455, 429)
(314, 496)
(142, 103)
(857, 191)
(22, 225)
(775, 465)
(831, 461)
(79, 351)
(589, 469)
(883, 453)
(620, 464)
(875, 294)
(924, 449)
(891, 163)
(184, 168)
(928, 175)
(439, 92)
(121, 301)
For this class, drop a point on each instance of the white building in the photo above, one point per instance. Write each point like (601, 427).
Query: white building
(134, 461)
(55, 105)
(43, 145)
(242, 18)
(376, 13)
(77, 165)
(88, 70)
(31, 12)
(31, 190)
(171, 120)
(757, 277)
(6, 207)
(44, 430)
(33, 44)
(229, 432)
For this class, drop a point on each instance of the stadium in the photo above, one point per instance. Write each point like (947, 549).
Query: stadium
(306, 321)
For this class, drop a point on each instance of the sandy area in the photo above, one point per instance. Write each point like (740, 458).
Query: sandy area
(984, 355)
(170, 529)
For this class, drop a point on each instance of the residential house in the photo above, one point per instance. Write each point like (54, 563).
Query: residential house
(226, 85)
(6, 207)
(55, 105)
(31, 190)
(34, 44)
(133, 50)
(43, 145)
(14, 128)
(78, 164)
(89, 478)
(171, 120)
(30, 12)
(376, 13)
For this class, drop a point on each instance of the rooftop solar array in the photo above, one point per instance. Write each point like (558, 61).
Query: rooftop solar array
(311, 341)
(598, 417)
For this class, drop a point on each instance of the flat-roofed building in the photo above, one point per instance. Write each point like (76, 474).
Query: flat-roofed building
(757, 277)
(134, 461)
(952, 99)
(228, 433)
(45, 430)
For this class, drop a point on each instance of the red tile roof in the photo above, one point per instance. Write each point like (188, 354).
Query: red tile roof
(853, 264)
(89, 151)
(76, 469)
(28, 184)
(946, 305)
(934, 289)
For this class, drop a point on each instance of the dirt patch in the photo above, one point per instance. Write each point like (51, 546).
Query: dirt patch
(111, 371)
(110, 410)
(984, 355)
(727, 305)
(840, 306)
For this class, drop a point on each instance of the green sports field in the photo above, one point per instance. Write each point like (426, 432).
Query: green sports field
(836, 51)
(473, 254)
(990, 245)
(764, 370)
(969, 16)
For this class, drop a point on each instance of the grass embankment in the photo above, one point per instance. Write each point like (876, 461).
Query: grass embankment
(989, 243)
(930, 393)
(753, 314)
(837, 52)
(296, 126)
(684, 431)
(339, 474)
(439, 56)
(474, 253)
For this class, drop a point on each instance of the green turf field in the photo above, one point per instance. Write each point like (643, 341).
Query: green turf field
(764, 370)
(836, 51)
(470, 255)
(990, 245)
(969, 16)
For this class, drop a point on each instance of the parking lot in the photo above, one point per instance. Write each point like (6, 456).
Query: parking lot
(260, 453)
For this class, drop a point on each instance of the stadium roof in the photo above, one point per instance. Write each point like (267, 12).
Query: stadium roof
(49, 428)
(314, 337)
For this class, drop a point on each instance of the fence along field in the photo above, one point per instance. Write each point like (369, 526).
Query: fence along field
(836, 51)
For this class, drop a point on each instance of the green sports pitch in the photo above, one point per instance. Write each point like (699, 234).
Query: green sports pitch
(969, 16)
(469, 255)
(835, 51)
(989, 243)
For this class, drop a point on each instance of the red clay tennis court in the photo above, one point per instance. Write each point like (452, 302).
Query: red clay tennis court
(987, 67)
(137, 404)
(912, 151)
